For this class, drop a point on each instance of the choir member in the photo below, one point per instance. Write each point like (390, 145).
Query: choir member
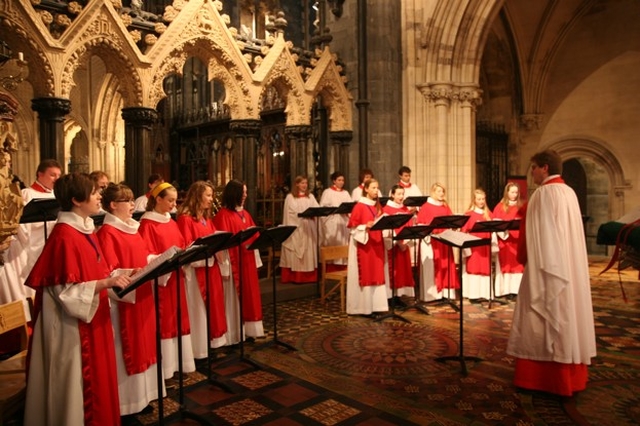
(72, 377)
(476, 272)
(367, 275)
(26, 246)
(508, 269)
(438, 275)
(298, 259)
(162, 233)
(334, 230)
(410, 189)
(154, 180)
(134, 316)
(402, 273)
(243, 274)
(363, 176)
(195, 220)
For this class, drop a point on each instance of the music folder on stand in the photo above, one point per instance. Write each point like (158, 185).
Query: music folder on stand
(415, 201)
(450, 222)
(391, 222)
(460, 240)
(312, 213)
(163, 264)
(271, 238)
(344, 208)
(40, 210)
(418, 232)
(491, 226)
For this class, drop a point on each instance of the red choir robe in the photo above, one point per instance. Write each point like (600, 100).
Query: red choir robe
(508, 248)
(71, 257)
(444, 265)
(235, 221)
(478, 262)
(160, 237)
(137, 320)
(401, 262)
(370, 255)
(192, 229)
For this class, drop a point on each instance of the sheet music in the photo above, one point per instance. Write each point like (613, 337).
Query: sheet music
(167, 254)
(456, 237)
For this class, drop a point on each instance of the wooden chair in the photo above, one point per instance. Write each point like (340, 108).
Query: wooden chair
(12, 371)
(328, 253)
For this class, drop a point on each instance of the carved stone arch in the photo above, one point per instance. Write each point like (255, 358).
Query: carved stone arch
(107, 112)
(597, 150)
(41, 75)
(297, 111)
(220, 67)
(339, 108)
(116, 62)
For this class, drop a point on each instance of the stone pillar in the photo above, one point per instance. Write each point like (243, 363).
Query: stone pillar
(51, 114)
(301, 153)
(247, 137)
(340, 142)
(137, 146)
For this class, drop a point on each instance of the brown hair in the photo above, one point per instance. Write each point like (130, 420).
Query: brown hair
(193, 200)
(505, 196)
(549, 157)
(367, 184)
(297, 181)
(151, 204)
(115, 192)
(73, 186)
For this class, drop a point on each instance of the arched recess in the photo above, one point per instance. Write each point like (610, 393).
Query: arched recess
(76, 148)
(586, 147)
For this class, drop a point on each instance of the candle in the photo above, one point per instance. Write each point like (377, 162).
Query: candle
(20, 56)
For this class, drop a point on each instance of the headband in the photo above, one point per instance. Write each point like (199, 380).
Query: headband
(159, 188)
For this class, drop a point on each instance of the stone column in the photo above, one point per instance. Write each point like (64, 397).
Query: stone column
(51, 114)
(340, 142)
(137, 146)
(301, 153)
(247, 136)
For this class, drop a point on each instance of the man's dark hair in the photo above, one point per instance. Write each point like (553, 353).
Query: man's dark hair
(551, 158)
(403, 169)
(47, 164)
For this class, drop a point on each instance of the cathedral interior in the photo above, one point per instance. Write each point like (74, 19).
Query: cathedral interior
(462, 92)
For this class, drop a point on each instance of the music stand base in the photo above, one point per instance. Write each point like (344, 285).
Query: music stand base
(498, 301)
(273, 343)
(418, 306)
(445, 301)
(462, 359)
(392, 315)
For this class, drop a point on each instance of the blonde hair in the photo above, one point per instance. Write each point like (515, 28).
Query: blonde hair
(486, 212)
(297, 181)
(437, 185)
(505, 196)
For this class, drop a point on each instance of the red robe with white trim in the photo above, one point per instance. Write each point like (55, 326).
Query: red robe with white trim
(508, 247)
(232, 221)
(370, 255)
(401, 263)
(192, 229)
(137, 320)
(72, 257)
(160, 237)
(478, 262)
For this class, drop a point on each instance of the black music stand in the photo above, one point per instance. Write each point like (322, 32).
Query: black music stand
(40, 210)
(211, 245)
(418, 232)
(465, 241)
(491, 226)
(236, 240)
(155, 270)
(98, 219)
(384, 200)
(137, 215)
(313, 213)
(344, 208)
(270, 238)
(450, 222)
(391, 222)
(415, 201)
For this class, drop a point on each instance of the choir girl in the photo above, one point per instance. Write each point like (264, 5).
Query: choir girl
(298, 260)
(438, 276)
(72, 377)
(402, 273)
(243, 274)
(195, 220)
(367, 274)
(133, 317)
(334, 230)
(476, 265)
(508, 269)
(161, 233)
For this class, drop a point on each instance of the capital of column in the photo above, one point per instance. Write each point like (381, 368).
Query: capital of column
(438, 93)
(531, 121)
(139, 116)
(343, 137)
(301, 131)
(51, 108)
(469, 97)
(248, 127)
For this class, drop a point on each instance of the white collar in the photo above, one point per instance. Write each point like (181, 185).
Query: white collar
(548, 178)
(86, 226)
(394, 204)
(129, 226)
(435, 202)
(513, 202)
(478, 210)
(367, 201)
(156, 217)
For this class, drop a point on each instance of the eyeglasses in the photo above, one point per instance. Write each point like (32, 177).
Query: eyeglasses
(125, 201)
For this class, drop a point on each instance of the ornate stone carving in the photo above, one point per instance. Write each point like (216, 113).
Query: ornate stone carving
(531, 121)
(51, 108)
